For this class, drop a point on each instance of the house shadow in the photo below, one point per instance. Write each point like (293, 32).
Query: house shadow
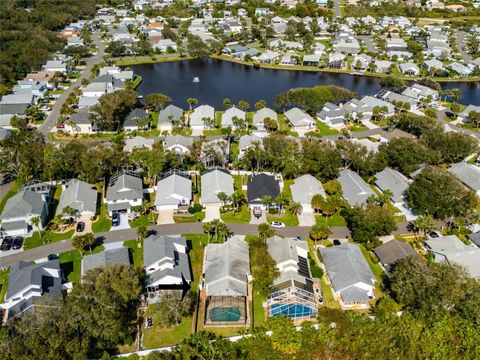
(67, 268)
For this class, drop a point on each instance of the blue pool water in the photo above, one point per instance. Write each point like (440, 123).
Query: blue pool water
(292, 310)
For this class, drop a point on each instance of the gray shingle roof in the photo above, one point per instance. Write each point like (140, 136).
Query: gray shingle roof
(138, 142)
(305, 187)
(213, 182)
(261, 185)
(125, 186)
(203, 111)
(172, 189)
(262, 114)
(393, 251)
(226, 268)
(227, 116)
(389, 179)
(137, 113)
(174, 140)
(346, 268)
(298, 117)
(79, 196)
(164, 249)
(104, 258)
(172, 111)
(355, 190)
(24, 203)
(468, 174)
(82, 116)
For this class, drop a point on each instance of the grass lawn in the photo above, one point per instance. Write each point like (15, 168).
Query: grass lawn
(154, 119)
(48, 237)
(13, 190)
(288, 218)
(135, 82)
(237, 182)
(3, 284)
(187, 219)
(324, 130)
(376, 269)
(160, 335)
(328, 299)
(71, 262)
(213, 132)
(136, 251)
(357, 127)
(335, 220)
(258, 310)
(102, 224)
(234, 151)
(243, 216)
(143, 220)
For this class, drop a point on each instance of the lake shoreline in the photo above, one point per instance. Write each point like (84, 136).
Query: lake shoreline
(126, 62)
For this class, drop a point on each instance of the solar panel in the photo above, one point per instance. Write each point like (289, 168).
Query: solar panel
(303, 268)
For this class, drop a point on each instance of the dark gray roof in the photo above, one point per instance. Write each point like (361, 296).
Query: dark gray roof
(475, 238)
(79, 196)
(346, 268)
(25, 274)
(468, 174)
(261, 185)
(137, 113)
(24, 203)
(15, 109)
(389, 179)
(394, 250)
(163, 249)
(82, 116)
(172, 111)
(106, 257)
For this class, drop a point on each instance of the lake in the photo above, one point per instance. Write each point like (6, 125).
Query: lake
(222, 79)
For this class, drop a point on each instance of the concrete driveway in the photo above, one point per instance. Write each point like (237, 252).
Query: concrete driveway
(212, 211)
(262, 219)
(306, 219)
(165, 217)
(123, 223)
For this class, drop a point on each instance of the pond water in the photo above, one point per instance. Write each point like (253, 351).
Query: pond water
(222, 79)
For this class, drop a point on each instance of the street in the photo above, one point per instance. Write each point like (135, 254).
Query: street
(460, 41)
(51, 120)
(338, 11)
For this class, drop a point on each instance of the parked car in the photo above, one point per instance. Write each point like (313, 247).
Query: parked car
(257, 211)
(6, 243)
(433, 234)
(336, 242)
(115, 219)
(80, 226)
(52, 257)
(17, 243)
(277, 224)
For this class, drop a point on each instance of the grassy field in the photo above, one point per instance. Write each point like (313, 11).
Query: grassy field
(242, 217)
(71, 263)
(323, 130)
(376, 269)
(197, 217)
(287, 218)
(48, 237)
(160, 335)
(328, 299)
(3, 284)
(136, 249)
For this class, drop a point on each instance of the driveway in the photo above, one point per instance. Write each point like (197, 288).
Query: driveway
(338, 12)
(212, 211)
(165, 217)
(123, 223)
(51, 120)
(262, 219)
(306, 219)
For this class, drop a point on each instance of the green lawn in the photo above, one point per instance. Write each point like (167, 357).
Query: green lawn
(212, 132)
(3, 284)
(102, 224)
(48, 237)
(243, 216)
(137, 252)
(154, 119)
(233, 151)
(357, 127)
(162, 336)
(135, 82)
(323, 130)
(335, 220)
(258, 310)
(71, 263)
(288, 218)
(144, 220)
(376, 269)
(187, 219)
(328, 299)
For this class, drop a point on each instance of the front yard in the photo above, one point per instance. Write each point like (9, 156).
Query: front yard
(242, 217)
(103, 223)
(334, 220)
(71, 263)
(48, 237)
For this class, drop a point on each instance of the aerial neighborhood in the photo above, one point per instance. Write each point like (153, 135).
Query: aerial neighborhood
(240, 179)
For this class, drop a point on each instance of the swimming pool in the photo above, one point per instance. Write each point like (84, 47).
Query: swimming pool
(225, 314)
(292, 310)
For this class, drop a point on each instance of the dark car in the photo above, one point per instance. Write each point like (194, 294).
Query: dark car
(6, 243)
(17, 243)
(52, 257)
(115, 219)
(80, 226)
(336, 242)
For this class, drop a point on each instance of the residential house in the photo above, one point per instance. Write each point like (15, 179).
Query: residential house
(166, 263)
(464, 115)
(170, 116)
(80, 197)
(347, 46)
(393, 251)
(409, 68)
(165, 45)
(262, 114)
(333, 115)
(173, 191)
(292, 291)
(200, 113)
(336, 61)
(55, 66)
(268, 56)
(16, 104)
(247, 141)
(383, 66)
(125, 191)
(226, 276)
(460, 69)
(178, 143)
(361, 62)
(453, 251)
(355, 190)
(418, 92)
(80, 122)
(311, 60)
(352, 279)
(33, 284)
(261, 185)
(215, 181)
(468, 174)
(304, 188)
(138, 143)
(229, 114)
(137, 119)
(394, 181)
(111, 257)
(300, 120)
(21, 210)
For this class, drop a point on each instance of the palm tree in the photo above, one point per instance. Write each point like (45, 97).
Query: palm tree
(295, 208)
(424, 223)
(191, 102)
(320, 232)
(317, 202)
(227, 103)
(237, 198)
(266, 200)
(242, 104)
(36, 222)
(265, 231)
(142, 232)
(222, 197)
(281, 200)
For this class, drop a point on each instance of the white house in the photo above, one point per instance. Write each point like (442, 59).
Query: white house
(124, 192)
(229, 114)
(299, 119)
(200, 113)
(173, 191)
(304, 188)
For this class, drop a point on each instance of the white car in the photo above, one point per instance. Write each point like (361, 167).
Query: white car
(277, 224)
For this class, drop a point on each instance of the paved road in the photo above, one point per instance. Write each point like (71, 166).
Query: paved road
(51, 120)
(169, 229)
(460, 40)
(338, 11)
